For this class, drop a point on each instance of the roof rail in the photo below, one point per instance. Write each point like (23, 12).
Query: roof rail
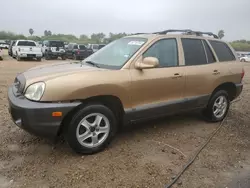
(187, 31)
(184, 31)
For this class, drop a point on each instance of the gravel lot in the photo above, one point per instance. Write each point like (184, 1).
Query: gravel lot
(143, 155)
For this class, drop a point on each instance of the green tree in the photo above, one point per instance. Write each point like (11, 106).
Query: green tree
(97, 37)
(221, 34)
(31, 31)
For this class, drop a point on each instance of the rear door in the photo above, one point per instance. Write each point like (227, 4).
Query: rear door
(202, 71)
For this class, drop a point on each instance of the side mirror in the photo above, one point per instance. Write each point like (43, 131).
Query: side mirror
(147, 63)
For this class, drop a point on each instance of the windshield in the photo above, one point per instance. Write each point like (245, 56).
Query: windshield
(26, 43)
(56, 44)
(117, 53)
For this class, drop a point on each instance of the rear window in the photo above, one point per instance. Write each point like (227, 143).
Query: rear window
(56, 44)
(82, 47)
(26, 43)
(194, 52)
(222, 51)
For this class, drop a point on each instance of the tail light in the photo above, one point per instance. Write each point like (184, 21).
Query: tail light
(242, 74)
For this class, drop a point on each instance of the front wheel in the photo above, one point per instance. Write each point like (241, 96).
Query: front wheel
(217, 107)
(243, 60)
(91, 129)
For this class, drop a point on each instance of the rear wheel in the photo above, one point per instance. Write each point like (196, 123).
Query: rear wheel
(243, 60)
(46, 55)
(63, 57)
(91, 129)
(217, 107)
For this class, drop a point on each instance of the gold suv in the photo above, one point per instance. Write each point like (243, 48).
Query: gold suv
(134, 78)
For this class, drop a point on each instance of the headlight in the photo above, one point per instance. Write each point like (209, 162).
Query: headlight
(35, 91)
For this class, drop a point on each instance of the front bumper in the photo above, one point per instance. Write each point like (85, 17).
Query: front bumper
(31, 55)
(56, 53)
(36, 117)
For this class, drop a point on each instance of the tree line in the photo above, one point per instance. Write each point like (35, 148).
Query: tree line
(98, 38)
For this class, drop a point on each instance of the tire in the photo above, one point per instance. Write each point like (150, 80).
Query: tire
(46, 56)
(74, 57)
(63, 57)
(73, 130)
(210, 111)
(243, 60)
(18, 58)
(39, 59)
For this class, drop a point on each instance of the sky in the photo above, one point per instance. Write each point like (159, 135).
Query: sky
(132, 16)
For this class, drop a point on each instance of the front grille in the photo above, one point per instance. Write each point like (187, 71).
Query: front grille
(19, 84)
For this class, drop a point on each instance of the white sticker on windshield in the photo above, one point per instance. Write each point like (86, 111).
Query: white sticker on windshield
(139, 43)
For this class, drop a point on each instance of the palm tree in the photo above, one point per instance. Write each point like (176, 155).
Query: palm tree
(45, 33)
(221, 34)
(31, 31)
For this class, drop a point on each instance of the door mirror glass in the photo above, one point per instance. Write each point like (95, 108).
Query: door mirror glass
(147, 63)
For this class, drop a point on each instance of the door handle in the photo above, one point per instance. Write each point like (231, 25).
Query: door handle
(216, 72)
(177, 75)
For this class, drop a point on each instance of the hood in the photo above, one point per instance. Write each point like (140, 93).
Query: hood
(45, 72)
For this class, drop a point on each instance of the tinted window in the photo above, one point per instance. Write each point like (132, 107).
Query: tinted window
(82, 47)
(194, 52)
(210, 56)
(26, 43)
(222, 51)
(166, 52)
(75, 46)
(56, 44)
(100, 46)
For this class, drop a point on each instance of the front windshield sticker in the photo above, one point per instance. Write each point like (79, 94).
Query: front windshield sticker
(139, 43)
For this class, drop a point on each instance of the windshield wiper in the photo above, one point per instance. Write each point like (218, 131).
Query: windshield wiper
(91, 63)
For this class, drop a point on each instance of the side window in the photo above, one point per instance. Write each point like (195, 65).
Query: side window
(210, 55)
(75, 46)
(194, 52)
(222, 51)
(166, 51)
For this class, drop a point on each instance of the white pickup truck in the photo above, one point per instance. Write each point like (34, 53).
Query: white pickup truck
(26, 49)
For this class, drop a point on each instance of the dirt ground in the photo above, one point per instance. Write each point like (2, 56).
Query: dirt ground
(143, 155)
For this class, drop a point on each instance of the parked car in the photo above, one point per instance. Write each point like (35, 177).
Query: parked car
(10, 47)
(78, 51)
(100, 46)
(94, 47)
(134, 78)
(4, 45)
(1, 55)
(52, 49)
(245, 58)
(27, 49)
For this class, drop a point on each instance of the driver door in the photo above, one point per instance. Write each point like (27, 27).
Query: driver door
(158, 91)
